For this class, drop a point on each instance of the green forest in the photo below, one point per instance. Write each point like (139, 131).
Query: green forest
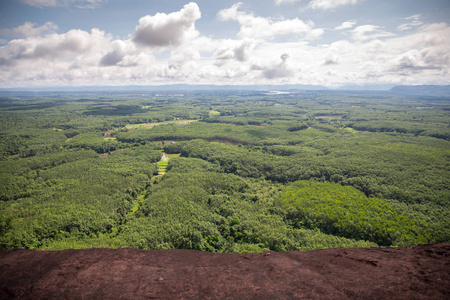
(223, 171)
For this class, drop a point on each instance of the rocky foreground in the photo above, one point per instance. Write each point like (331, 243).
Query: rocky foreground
(421, 272)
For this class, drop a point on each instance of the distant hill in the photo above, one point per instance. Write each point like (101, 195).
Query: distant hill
(422, 90)
(366, 87)
(418, 90)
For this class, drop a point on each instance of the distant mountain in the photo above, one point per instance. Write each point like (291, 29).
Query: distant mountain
(366, 87)
(421, 90)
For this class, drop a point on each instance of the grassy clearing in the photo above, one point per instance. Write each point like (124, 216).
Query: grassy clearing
(136, 205)
(349, 129)
(151, 125)
(214, 113)
(162, 164)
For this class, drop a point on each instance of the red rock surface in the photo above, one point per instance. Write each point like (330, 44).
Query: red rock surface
(421, 272)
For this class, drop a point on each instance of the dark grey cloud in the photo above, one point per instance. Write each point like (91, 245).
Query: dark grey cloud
(331, 60)
(240, 52)
(278, 71)
(112, 58)
(415, 60)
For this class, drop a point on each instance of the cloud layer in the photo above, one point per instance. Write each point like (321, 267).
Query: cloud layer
(258, 27)
(321, 4)
(329, 4)
(53, 3)
(168, 49)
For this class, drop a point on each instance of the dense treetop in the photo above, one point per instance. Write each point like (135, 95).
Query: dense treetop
(223, 172)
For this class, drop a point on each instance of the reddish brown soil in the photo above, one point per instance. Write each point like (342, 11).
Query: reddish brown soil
(421, 272)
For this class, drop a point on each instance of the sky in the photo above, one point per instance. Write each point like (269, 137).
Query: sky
(47, 43)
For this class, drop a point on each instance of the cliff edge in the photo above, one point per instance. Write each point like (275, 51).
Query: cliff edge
(421, 272)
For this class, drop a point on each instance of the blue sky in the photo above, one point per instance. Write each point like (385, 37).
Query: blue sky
(146, 42)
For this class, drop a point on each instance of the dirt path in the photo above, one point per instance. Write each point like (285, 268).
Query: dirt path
(421, 272)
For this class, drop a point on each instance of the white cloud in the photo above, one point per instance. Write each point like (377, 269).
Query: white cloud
(262, 28)
(321, 4)
(331, 59)
(54, 59)
(180, 54)
(417, 60)
(162, 30)
(345, 25)
(239, 50)
(180, 58)
(30, 29)
(68, 47)
(278, 2)
(123, 54)
(41, 3)
(53, 3)
(369, 32)
(427, 49)
(280, 70)
(414, 17)
(416, 22)
(88, 3)
(329, 4)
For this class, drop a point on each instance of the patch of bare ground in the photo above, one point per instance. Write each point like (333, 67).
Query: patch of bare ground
(109, 132)
(421, 272)
(109, 138)
(184, 123)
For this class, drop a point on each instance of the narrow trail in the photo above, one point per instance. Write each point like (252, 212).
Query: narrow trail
(162, 165)
(162, 168)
